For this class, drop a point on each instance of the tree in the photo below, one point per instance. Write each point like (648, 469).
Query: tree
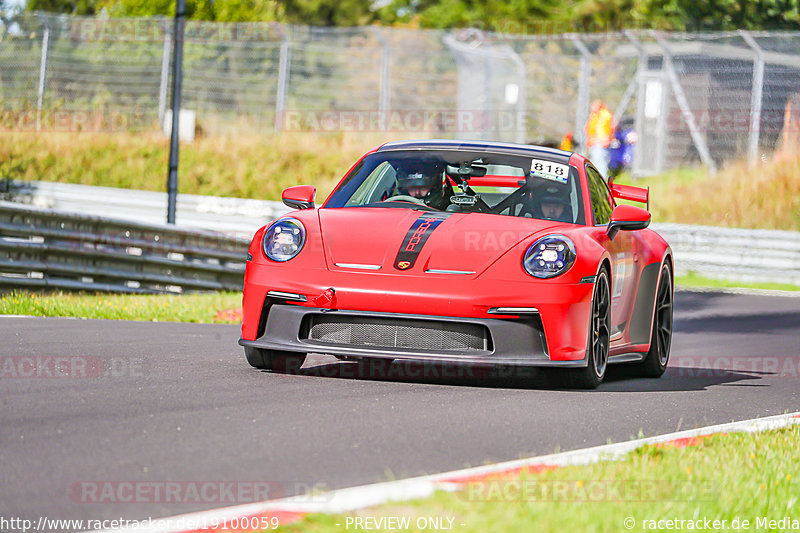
(73, 7)
(328, 12)
(701, 15)
(214, 10)
(687, 15)
(496, 15)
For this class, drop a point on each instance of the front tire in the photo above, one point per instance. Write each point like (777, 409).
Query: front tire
(598, 341)
(275, 360)
(657, 358)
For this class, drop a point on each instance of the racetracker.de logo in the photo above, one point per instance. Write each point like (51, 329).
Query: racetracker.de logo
(414, 120)
(723, 365)
(598, 490)
(69, 367)
(178, 492)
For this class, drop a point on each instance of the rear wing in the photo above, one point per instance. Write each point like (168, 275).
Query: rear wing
(629, 192)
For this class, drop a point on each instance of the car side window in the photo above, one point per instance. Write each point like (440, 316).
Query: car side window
(601, 198)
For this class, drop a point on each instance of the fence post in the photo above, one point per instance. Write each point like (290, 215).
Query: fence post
(384, 98)
(634, 83)
(683, 103)
(283, 82)
(42, 75)
(521, 121)
(582, 108)
(162, 89)
(638, 160)
(755, 98)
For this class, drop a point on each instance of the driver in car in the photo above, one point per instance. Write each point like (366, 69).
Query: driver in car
(422, 180)
(554, 205)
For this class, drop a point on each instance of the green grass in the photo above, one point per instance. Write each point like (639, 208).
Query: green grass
(694, 280)
(724, 477)
(161, 308)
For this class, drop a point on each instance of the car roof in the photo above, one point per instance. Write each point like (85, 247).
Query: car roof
(525, 150)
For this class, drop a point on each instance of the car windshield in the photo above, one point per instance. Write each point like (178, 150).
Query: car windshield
(464, 182)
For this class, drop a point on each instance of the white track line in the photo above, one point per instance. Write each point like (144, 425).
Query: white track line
(351, 499)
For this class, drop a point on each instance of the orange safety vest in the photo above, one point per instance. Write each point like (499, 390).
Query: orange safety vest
(600, 128)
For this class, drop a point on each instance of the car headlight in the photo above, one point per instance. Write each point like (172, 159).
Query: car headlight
(549, 257)
(284, 239)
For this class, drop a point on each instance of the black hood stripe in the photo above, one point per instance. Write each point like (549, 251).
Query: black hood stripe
(416, 238)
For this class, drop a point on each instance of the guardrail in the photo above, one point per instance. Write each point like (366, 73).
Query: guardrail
(736, 254)
(235, 216)
(44, 248)
(724, 253)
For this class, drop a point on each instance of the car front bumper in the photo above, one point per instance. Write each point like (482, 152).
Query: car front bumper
(518, 342)
(554, 335)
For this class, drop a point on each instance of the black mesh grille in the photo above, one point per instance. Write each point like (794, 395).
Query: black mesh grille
(431, 335)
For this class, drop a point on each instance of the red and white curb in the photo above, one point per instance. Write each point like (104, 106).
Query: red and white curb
(287, 510)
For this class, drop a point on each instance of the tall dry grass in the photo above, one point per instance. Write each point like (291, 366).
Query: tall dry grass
(767, 196)
(248, 166)
(260, 166)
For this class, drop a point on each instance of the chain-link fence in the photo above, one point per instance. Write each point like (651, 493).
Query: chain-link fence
(707, 98)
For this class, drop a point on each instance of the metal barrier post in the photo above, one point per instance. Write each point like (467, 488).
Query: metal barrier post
(639, 121)
(755, 98)
(582, 108)
(283, 82)
(634, 83)
(683, 103)
(42, 75)
(162, 89)
(521, 120)
(177, 78)
(386, 57)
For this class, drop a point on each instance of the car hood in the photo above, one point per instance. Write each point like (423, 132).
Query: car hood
(371, 237)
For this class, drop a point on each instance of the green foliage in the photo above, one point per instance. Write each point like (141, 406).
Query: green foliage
(496, 15)
(702, 15)
(73, 7)
(328, 12)
(686, 15)
(511, 16)
(305, 12)
(212, 10)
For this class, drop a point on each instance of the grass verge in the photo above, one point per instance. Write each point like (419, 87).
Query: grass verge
(740, 476)
(207, 308)
(693, 280)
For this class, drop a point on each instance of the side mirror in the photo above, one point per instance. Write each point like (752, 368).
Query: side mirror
(627, 218)
(299, 196)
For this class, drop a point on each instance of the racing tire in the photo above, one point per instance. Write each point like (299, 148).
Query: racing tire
(598, 341)
(657, 358)
(275, 360)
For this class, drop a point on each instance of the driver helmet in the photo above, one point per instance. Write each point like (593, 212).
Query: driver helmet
(555, 195)
(419, 176)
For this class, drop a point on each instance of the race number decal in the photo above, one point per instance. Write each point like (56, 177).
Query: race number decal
(549, 170)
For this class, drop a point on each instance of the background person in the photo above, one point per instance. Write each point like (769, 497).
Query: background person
(599, 134)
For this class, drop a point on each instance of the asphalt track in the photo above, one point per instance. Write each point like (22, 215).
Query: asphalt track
(150, 403)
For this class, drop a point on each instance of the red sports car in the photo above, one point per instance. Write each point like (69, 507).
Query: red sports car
(463, 252)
